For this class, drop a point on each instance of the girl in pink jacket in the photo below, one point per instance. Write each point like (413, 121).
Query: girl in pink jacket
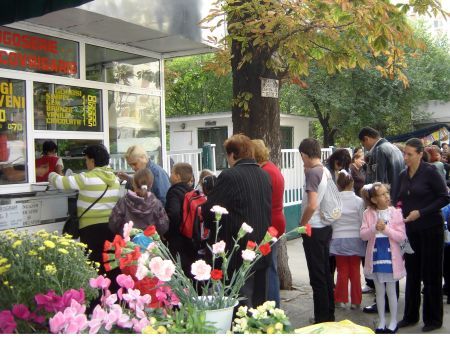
(384, 229)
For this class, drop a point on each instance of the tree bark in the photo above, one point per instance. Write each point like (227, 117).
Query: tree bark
(261, 119)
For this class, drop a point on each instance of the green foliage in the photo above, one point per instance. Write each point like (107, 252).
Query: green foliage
(34, 263)
(191, 90)
(355, 98)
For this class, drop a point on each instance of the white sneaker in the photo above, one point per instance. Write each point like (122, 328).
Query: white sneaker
(355, 306)
(367, 290)
(340, 305)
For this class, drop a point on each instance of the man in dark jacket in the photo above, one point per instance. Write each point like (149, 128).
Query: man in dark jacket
(385, 161)
(245, 191)
(384, 164)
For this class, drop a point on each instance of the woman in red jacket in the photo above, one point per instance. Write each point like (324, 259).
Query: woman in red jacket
(49, 162)
(278, 219)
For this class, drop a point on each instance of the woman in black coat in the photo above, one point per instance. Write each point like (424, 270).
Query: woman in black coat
(422, 194)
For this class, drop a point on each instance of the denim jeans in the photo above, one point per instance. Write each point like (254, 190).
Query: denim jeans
(273, 291)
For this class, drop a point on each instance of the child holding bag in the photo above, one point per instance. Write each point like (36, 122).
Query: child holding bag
(384, 229)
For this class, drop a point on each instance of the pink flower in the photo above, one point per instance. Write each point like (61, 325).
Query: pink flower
(72, 294)
(21, 311)
(127, 230)
(162, 269)
(141, 272)
(7, 322)
(100, 282)
(98, 315)
(39, 319)
(218, 247)
(110, 300)
(113, 316)
(248, 255)
(57, 323)
(125, 281)
(201, 270)
(138, 325)
(124, 321)
(76, 324)
(246, 228)
(50, 301)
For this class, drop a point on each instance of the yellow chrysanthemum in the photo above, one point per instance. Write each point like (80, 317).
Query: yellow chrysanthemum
(63, 251)
(41, 248)
(50, 269)
(148, 330)
(3, 260)
(32, 253)
(64, 243)
(5, 268)
(17, 243)
(5, 283)
(49, 244)
(270, 330)
(278, 326)
(161, 330)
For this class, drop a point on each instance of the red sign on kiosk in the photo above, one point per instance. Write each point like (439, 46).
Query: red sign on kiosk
(20, 50)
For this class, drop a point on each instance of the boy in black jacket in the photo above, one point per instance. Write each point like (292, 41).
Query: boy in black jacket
(182, 179)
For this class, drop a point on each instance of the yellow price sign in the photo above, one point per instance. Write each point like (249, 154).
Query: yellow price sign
(15, 126)
(2, 115)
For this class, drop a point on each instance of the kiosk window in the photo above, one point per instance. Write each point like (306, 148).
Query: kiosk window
(134, 119)
(13, 156)
(66, 108)
(26, 51)
(118, 67)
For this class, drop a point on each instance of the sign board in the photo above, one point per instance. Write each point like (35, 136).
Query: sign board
(269, 87)
(31, 212)
(11, 216)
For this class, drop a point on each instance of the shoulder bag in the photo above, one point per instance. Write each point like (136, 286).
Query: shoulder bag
(72, 224)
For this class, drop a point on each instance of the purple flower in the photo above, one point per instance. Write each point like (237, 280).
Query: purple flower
(7, 322)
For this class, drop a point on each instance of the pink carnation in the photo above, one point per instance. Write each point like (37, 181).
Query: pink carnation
(127, 230)
(162, 269)
(7, 322)
(201, 270)
(218, 247)
(248, 255)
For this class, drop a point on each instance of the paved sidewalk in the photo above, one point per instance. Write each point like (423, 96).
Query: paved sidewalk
(298, 303)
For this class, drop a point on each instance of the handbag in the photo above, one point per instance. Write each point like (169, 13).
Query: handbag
(72, 224)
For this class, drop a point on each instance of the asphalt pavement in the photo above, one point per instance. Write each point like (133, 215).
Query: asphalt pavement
(298, 303)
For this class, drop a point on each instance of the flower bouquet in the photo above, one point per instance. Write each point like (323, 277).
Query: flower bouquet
(218, 289)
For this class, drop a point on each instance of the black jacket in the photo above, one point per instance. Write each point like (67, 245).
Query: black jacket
(246, 192)
(384, 165)
(425, 192)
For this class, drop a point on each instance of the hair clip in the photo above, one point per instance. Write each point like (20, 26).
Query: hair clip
(144, 187)
(367, 187)
(345, 172)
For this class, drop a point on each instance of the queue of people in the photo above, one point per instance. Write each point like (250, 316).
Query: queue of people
(388, 195)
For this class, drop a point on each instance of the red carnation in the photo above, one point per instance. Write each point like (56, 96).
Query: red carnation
(264, 249)
(273, 232)
(150, 230)
(251, 245)
(105, 257)
(216, 274)
(308, 229)
(107, 246)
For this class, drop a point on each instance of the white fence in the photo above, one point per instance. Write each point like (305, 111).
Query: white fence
(291, 167)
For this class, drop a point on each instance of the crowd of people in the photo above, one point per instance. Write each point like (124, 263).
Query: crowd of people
(391, 197)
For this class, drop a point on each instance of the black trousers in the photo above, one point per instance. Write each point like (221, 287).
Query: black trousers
(425, 265)
(255, 289)
(317, 252)
(446, 271)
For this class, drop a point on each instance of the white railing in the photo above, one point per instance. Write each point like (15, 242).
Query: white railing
(292, 170)
(118, 163)
(193, 157)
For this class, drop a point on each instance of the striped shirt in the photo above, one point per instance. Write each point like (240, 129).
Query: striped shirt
(91, 185)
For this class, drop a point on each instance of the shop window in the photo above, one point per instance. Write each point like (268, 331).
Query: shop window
(26, 51)
(13, 156)
(66, 108)
(134, 119)
(70, 151)
(118, 67)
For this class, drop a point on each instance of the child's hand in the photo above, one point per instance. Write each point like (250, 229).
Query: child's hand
(380, 226)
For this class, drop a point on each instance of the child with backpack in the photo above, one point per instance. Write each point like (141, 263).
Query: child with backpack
(181, 178)
(346, 245)
(384, 229)
(140, 206)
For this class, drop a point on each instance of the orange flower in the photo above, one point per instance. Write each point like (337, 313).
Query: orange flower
(251, 245)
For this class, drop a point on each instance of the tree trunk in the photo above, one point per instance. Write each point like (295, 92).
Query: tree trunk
(260, 120)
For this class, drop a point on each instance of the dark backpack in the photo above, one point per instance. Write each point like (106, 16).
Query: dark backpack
(192, 226)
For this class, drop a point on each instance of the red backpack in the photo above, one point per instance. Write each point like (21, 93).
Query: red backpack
(192, 225)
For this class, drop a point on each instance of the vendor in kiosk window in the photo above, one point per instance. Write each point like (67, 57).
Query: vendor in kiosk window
(48, 162)
(13, 167)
